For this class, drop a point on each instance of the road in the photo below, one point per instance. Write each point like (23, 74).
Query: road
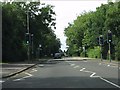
(67, 74)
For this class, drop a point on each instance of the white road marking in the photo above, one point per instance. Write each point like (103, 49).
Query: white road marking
(82, 69)
(29, 75)
(108, 65)
(110, 82)
(99, 63)
(84, 61)
(41, 65)
(18, 79)
(92, 74)
(34, 70)
(1, 81)
(76, 66)
(88, 71)
(72, 64)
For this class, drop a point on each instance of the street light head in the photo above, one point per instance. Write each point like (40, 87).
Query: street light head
(40, 45)
(109, 31)
(28, 2)
(31, 34)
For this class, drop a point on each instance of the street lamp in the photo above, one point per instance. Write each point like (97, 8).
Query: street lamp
(28, 32)
(40, 48)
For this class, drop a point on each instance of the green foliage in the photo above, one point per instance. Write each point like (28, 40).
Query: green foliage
(90, 25)
(94, 53)
(14, 28)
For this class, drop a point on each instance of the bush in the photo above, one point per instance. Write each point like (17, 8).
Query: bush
(94, 53)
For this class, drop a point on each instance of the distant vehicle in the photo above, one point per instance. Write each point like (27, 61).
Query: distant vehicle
(57, 55)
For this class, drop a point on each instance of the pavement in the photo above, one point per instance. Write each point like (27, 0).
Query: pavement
(10, 69)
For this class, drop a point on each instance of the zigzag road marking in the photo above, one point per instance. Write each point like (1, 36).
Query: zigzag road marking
(33, 70)
(93, 76)
(29, 75)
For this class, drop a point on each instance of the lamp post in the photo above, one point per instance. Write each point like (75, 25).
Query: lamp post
(28, 32)
(32, 43)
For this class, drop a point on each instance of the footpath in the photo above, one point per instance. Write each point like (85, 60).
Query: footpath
(113, 62)
(10, 69)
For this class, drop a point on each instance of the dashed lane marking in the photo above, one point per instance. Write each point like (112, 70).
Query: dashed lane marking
(1, 81)
(82, 69)
(72, 64)
(92, 75)
(76, 66)
(41, 65)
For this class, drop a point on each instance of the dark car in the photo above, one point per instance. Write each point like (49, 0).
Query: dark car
(57, 55)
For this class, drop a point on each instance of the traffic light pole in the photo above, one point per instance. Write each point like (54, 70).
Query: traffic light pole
(109, 52)
(101, 52)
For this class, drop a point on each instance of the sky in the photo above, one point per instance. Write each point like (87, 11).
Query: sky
(67, 11)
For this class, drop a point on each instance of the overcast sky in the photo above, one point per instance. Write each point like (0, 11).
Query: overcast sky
(67, 11)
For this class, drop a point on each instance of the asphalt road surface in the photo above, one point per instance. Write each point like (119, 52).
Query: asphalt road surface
(67, 74)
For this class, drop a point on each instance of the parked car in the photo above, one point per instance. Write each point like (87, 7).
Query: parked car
(57, 55)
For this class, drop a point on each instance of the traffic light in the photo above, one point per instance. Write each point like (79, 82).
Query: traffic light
(101, 40)
(27, 38)
(109, 36)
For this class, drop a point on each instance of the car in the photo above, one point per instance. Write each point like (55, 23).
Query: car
(57, 55)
